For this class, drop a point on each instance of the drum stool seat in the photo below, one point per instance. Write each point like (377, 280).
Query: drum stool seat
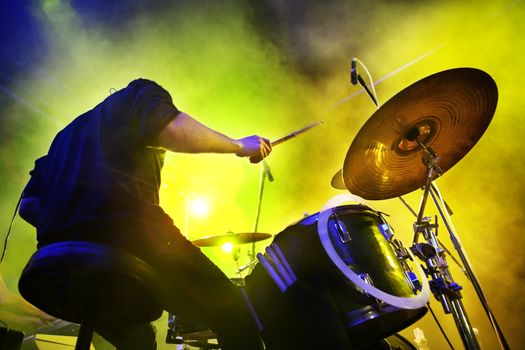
(91, 284)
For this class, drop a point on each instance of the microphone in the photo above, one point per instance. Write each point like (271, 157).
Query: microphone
(355, 79)
(268, 171)
(353, 71)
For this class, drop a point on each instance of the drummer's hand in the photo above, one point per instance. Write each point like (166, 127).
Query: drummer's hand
(255, 147)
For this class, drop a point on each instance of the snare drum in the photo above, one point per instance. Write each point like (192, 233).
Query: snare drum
(349, 279)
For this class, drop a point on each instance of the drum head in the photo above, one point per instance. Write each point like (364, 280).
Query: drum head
(355, 241)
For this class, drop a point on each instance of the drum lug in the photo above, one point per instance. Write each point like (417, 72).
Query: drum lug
(413, 281)
(401, 252)
(386, 231)
(403, 255)
(344, 235)
(376, 303)
(366, 277)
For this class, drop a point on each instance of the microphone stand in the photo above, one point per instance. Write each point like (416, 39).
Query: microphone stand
(265, 173)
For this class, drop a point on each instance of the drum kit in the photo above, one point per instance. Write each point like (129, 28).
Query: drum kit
(339, 277)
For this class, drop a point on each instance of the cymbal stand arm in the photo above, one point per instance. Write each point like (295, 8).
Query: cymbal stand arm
(433, 256)
(440, 205)
(429, 159)
(430, 252)
(446, 291)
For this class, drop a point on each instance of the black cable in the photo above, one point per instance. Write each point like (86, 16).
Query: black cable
(10, 227)
(369, 93)
(408, 206)
(470, 273)
(439, 325)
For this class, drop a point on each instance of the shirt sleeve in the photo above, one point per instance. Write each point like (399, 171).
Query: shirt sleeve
(154, 108)
(34, 184)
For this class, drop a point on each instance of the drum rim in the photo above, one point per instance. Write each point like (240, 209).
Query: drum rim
(414, 302)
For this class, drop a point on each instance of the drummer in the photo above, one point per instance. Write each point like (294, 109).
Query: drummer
(100, 182)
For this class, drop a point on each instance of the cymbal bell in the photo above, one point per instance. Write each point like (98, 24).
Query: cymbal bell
(234, 238)
(447, 111)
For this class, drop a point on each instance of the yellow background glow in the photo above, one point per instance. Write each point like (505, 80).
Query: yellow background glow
(220, 70)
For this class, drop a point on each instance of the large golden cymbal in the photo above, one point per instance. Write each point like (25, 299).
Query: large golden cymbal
(448, 111)
(234, 238)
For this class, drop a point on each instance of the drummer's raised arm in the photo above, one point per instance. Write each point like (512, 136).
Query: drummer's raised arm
(185, 134)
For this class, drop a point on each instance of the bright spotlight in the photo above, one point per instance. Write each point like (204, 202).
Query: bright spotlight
(200, 207)
(227, 247)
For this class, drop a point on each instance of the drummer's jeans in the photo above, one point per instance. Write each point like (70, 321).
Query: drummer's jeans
(197, 291)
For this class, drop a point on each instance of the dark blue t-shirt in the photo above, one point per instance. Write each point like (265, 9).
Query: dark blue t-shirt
(100, 179)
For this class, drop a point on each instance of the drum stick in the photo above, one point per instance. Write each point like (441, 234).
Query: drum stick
(295, 133)
(279, 268)
(280, 255)
(271, 271)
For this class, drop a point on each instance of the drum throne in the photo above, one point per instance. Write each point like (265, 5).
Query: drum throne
(91, 284)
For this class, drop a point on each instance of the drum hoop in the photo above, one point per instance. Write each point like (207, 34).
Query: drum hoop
(414, 302)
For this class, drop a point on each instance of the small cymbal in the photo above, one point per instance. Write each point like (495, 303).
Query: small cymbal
(337, 181)
(447, 111)
(234, 238)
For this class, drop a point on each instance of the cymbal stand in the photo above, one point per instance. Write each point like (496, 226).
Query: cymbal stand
(442, 285)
